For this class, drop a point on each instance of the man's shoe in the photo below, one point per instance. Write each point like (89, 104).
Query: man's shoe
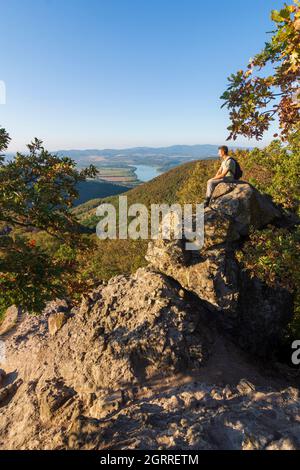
(206, 202)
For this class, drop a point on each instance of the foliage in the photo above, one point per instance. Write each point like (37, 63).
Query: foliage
(94, 261)
(193, 191)
(255, 96)
(37, 190)
(273, 255)
(28, 277)
(36, 193)
(108, 258)
(269, 89)
(274, 170)
(4, 140)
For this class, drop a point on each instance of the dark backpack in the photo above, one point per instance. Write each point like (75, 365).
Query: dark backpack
(238, 171)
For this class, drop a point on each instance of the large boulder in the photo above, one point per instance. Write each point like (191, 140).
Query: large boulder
(234, 209)
(126, 332)
(144, 328)
(244, 206)
(213, 277)
(130, 329)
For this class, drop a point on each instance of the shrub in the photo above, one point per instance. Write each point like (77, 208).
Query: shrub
(273, 255)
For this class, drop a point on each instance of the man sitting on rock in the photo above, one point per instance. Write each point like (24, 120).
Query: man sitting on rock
(226, 173)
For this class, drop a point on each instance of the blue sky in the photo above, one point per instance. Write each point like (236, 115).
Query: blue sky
(122, 73)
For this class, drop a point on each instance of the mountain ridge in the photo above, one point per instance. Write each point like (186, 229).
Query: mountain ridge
(195, 150)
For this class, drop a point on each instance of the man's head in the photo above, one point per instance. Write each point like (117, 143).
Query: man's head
(223, 151)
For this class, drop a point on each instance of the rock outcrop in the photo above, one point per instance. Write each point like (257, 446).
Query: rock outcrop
(130, 329)
(56, 322)
(2, 377)
(144, 364)
(244, 206)
(254, 314)
(11, 318)
(140, 365)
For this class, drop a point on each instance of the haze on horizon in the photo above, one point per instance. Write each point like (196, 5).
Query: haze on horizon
(96, 74)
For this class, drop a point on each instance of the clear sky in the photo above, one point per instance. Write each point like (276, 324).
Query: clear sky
(122, 73)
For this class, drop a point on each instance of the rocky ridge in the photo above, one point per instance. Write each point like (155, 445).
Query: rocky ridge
(250, 311)
(162, 359)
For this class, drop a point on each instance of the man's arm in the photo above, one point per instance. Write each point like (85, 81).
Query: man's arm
(221, 174)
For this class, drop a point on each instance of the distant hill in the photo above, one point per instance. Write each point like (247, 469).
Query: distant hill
(161, 158)
(162, 189)
(192, 151)
(97, 189)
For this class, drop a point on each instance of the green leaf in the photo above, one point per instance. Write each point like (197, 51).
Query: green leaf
(276, 16)
(285, 14)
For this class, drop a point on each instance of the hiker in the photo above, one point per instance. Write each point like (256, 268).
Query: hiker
(228, 171)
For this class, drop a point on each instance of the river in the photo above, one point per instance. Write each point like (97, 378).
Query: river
(146, 173)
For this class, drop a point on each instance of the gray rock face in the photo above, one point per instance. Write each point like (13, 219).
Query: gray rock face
(137, 327)
(2, 377)
(212, 276)
(244, 205)
(139, 366)
(194, 416)
(53, 395)
(56, 322)
(6, 393)
(253, 314)
(10, 320)
(131, 330)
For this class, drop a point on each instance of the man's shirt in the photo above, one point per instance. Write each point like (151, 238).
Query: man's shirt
(229, 165)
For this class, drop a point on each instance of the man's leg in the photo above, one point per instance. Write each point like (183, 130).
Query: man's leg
(211, 185)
